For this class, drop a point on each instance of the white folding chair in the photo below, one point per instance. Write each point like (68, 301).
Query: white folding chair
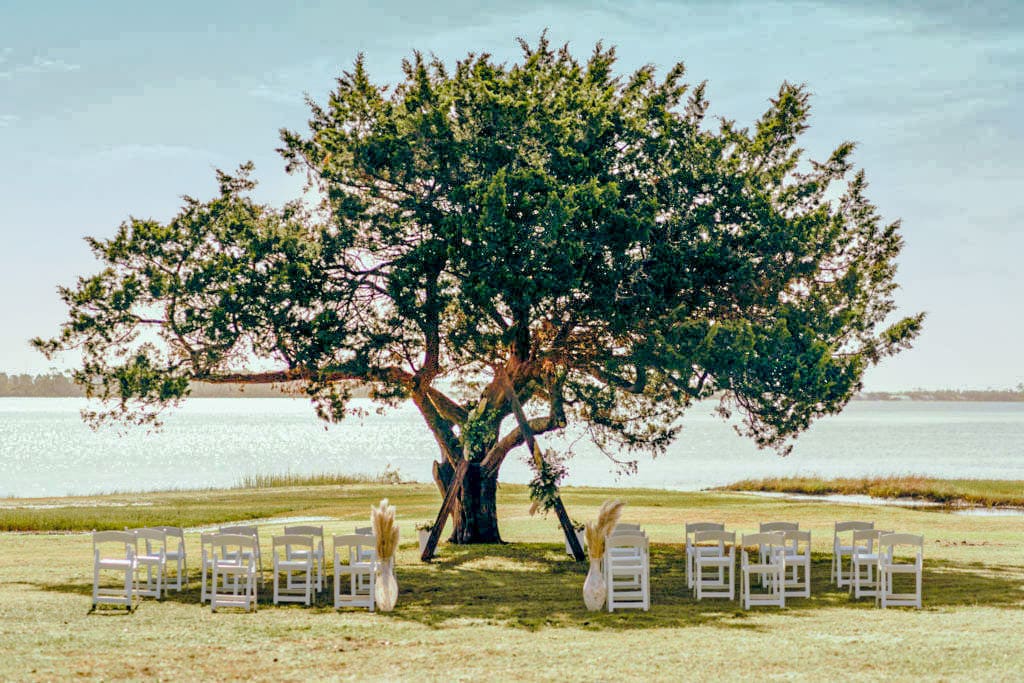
(295, 557)
(151, 558)
(113, 551)
(777, 526)
(175, 555)
(627, 564)
(714, 550)
(864, 563)
(317, 534)
(234, 557)
(771, 570)
(350, 560)
(206, 565)
(248, 530)
(890, 565)
(627, 552)
(691, 550)
(367, 553)
(841, 549)
(797, 548)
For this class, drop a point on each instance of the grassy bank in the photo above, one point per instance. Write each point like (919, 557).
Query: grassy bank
(968, 492)
(516, 611)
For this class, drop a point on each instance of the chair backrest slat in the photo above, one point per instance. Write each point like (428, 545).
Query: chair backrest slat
(293, 540)
(715, 536)
(890, 540)
(779, 526)
(626, 540)
(853, 526)
(242, 541)
(776, 538)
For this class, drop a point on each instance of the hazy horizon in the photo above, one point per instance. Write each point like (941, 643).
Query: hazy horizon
(120, 109)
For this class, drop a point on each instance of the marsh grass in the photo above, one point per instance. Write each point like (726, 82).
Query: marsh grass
(267, 481)
(515, 611)
(953, 492)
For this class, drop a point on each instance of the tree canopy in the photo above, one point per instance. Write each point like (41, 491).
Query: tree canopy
(592, 237)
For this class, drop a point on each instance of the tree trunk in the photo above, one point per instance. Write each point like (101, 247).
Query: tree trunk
(476, 512)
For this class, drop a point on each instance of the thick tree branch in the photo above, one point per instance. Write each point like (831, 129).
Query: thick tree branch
(496, 455)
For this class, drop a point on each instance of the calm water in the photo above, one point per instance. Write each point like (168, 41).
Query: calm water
(46, 450)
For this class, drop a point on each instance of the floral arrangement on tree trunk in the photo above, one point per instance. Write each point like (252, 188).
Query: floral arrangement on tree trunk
(595, 589)
(385, 533)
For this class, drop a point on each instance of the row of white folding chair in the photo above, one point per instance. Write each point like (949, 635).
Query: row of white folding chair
(355, 568)
(295, 555)
(877, 557)
(627, 568)
(211, 553)
(692, 549)
(317, 552)
(769, 569)
(715, 550)
(232, 562)
(164, 547)
(892, 561)
(796, 546)
(844, 550)
(114, 551)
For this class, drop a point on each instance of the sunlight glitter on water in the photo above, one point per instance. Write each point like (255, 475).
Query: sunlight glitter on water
(46, 450)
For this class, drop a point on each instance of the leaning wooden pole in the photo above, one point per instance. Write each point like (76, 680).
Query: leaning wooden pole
(563, 517)
(450, 496)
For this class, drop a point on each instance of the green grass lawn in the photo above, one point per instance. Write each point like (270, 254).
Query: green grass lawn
(512, 611)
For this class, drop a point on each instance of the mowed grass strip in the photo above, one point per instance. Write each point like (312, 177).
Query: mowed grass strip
(953, 492)
(508, 611)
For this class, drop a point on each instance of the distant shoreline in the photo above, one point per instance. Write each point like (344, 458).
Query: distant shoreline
(61, 386)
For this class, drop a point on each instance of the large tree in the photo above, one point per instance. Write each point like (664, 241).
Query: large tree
(588, 238)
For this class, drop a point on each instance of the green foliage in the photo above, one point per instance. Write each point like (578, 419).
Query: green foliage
(547, 477)
(589, 233)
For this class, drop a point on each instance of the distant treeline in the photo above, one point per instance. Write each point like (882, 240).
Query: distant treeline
(60, 385)
(57, 385)
(945, 395)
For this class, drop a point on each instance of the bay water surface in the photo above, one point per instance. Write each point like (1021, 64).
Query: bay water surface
(46, 450)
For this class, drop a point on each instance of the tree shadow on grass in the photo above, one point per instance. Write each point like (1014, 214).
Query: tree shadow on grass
(533, 586)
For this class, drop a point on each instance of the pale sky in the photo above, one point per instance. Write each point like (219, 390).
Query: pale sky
(111, 109)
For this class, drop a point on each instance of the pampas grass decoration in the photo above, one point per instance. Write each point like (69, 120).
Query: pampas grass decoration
(384, 530)
(385, 533)
(598, 530)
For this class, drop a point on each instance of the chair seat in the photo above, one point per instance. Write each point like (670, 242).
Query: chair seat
(293, 564)
(870, 557)
(762, 567)
(847, 549)
(899, 568)
(714, 561)
(111, 563)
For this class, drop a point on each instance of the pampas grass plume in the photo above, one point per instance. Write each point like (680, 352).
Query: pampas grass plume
(598, 530)
(384, 529)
